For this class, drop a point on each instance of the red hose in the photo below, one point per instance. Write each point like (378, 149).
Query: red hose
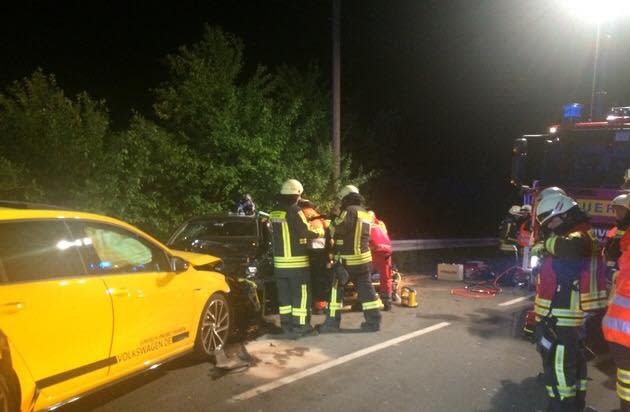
(482, 290)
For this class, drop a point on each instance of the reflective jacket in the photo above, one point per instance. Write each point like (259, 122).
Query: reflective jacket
(317, 222)
(572, 276)
(351, 238)
(291, 232)
(616, 323)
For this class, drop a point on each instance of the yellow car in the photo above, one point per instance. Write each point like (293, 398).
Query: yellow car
(86, 300)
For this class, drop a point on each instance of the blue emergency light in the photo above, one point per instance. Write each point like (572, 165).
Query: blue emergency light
(572, 111)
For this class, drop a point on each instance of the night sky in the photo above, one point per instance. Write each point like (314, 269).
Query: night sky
(445, 85)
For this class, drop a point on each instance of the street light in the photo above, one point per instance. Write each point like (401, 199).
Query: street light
(597, 12)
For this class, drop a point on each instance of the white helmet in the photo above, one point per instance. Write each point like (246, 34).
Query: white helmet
(292, 187)
(346, 190)
(552, 190)
(553, 205)
(622, 200)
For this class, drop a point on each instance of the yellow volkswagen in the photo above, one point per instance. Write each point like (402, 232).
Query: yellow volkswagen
(86, 300)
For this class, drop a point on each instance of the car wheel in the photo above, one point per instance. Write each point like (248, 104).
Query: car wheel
(214, 326)
(7, 397)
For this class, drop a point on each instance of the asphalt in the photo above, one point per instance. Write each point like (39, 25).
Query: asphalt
(479, 361)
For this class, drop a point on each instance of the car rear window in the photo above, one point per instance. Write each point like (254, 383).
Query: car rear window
(216, 228)
(37, 250)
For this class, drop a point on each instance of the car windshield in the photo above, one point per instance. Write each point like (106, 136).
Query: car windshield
(595, 159)
(214, 228)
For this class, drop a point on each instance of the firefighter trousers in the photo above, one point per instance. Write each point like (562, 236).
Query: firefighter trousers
(621, 354)
(564, 366)
(370, 303)
(294, 300)
(382, 263)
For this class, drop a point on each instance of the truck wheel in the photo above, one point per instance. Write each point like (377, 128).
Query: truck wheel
(8, 402)
(214, 327)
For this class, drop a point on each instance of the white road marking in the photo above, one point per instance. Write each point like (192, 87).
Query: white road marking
(335, 362)
(513, 301)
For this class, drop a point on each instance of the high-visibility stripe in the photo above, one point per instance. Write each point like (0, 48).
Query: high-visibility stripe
(355, 260)
(623, 392)
(582, 384)
(303, 304)
(333, 305)
(284, 310)
(568, 322)
(567, 391)
(357, 237)
(621, 301)
(339, 242)
(564, 392)
(291, 262)
(286, 237)
(375, 304)
(623, 376)
(550, 391)
(559, 368)
(620, 325)
(290, 259)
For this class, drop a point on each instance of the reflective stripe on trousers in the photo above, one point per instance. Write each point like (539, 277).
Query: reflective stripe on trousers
(302, 311)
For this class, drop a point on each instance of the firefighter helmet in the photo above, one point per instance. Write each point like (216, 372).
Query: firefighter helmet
(292, 187)
(554, 205)
(622, 200)
(346, 190)
(552, 190)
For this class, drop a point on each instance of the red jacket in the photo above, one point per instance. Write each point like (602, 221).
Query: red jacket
(379, 239)
(616, 323)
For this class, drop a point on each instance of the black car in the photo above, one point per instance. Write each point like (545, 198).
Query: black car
(244, 244)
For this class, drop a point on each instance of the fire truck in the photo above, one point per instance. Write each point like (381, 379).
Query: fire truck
(587, 159)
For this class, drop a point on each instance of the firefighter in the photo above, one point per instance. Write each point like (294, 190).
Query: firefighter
(571, 281)
(616, 323)
(290, 235)
(381, 248)
(350, 233)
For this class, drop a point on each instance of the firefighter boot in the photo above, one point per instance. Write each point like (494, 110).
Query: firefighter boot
(387, 302)
(370, 327)
(306, 331)
(329, 326)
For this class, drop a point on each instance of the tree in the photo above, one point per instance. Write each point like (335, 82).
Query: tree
(54, 143)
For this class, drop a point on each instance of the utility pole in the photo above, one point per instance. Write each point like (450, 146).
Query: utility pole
(594, 91)
(336, 84)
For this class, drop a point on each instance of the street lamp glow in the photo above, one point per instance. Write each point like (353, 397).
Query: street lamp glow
(598, 10)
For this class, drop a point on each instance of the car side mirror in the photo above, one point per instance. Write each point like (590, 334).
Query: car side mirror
(178, 265)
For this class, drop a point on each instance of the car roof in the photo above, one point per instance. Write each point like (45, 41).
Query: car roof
(8, 214)
(225, 216)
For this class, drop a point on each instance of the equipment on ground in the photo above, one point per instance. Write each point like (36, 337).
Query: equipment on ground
(409, 297)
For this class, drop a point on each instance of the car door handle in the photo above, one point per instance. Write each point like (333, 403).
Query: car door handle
(119, 292)
(12, 307)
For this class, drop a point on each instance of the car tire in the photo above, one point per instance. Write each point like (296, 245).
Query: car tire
(215, 326)
(8, 400)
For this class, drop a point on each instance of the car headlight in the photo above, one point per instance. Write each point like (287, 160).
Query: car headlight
(534, 261)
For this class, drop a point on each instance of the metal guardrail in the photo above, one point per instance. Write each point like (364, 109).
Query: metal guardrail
(432, 244)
